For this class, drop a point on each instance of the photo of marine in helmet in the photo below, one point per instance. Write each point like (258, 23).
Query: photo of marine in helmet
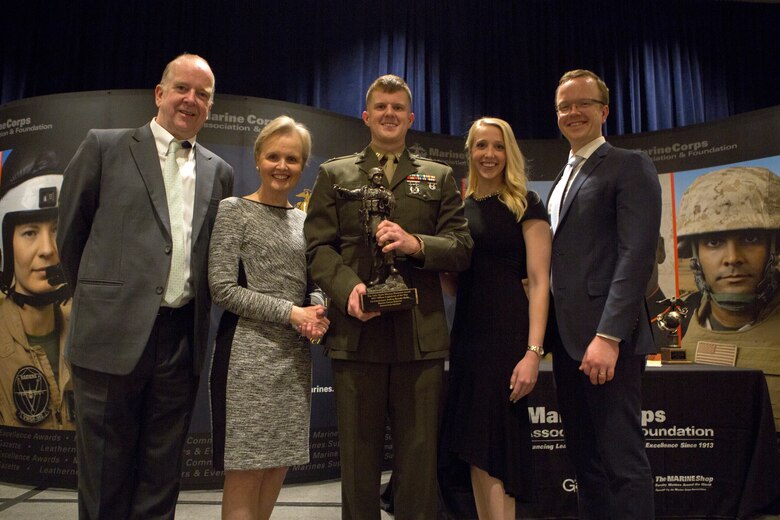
(35, 389)
(728, 224)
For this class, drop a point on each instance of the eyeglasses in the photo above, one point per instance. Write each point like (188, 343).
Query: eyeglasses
(582, 104)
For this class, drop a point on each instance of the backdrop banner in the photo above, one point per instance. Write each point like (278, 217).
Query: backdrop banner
(51, 128)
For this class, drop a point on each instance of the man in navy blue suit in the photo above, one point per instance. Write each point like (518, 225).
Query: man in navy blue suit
(605, 211)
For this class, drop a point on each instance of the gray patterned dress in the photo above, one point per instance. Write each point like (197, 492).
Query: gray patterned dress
(264, 400)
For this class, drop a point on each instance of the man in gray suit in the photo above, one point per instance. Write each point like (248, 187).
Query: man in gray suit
(605, 211)
(136, 211)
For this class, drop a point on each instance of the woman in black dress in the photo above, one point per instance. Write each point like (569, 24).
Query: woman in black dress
(500, 319)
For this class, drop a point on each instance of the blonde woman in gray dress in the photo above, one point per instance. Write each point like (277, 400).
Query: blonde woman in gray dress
(261, 371)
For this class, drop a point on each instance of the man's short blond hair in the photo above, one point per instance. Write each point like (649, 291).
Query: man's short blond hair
(388, 83)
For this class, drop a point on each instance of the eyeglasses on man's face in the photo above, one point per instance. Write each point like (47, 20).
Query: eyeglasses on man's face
(582, 104)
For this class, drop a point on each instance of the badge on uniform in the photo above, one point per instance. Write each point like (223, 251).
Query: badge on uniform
(415, 179)
(31, 395)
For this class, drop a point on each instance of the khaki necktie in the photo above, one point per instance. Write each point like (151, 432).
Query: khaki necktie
(173, 193)
(388, 165)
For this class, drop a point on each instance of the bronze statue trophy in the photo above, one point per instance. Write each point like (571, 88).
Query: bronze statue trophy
(386, 291)
(669, 321)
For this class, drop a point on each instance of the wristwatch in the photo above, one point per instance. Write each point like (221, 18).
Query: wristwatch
(537, 349)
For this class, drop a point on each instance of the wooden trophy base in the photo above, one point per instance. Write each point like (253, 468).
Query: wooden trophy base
(673, 355)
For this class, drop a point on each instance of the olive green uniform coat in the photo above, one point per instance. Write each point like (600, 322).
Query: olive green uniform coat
(391, 364)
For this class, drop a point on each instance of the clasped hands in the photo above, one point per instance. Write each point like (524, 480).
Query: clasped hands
(310, 322)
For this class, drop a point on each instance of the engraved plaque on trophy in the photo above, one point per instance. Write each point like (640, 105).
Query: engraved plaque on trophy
(386, 291)
(388, 297)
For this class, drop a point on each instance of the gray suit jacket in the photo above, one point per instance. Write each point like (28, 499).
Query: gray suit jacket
(114, 243)
(603, 251)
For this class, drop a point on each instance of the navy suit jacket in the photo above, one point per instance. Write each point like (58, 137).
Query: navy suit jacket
(604, 249)
(114, 242)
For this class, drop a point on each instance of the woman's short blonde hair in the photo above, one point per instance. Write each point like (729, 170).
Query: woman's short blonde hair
(285, 125)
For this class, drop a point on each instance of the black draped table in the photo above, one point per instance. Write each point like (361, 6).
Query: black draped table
(710, 439)
(709, 430)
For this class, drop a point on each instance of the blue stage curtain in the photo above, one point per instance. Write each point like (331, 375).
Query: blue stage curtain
(668, 64)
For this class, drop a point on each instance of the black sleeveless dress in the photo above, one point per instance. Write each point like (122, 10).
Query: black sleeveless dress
(481, 426)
